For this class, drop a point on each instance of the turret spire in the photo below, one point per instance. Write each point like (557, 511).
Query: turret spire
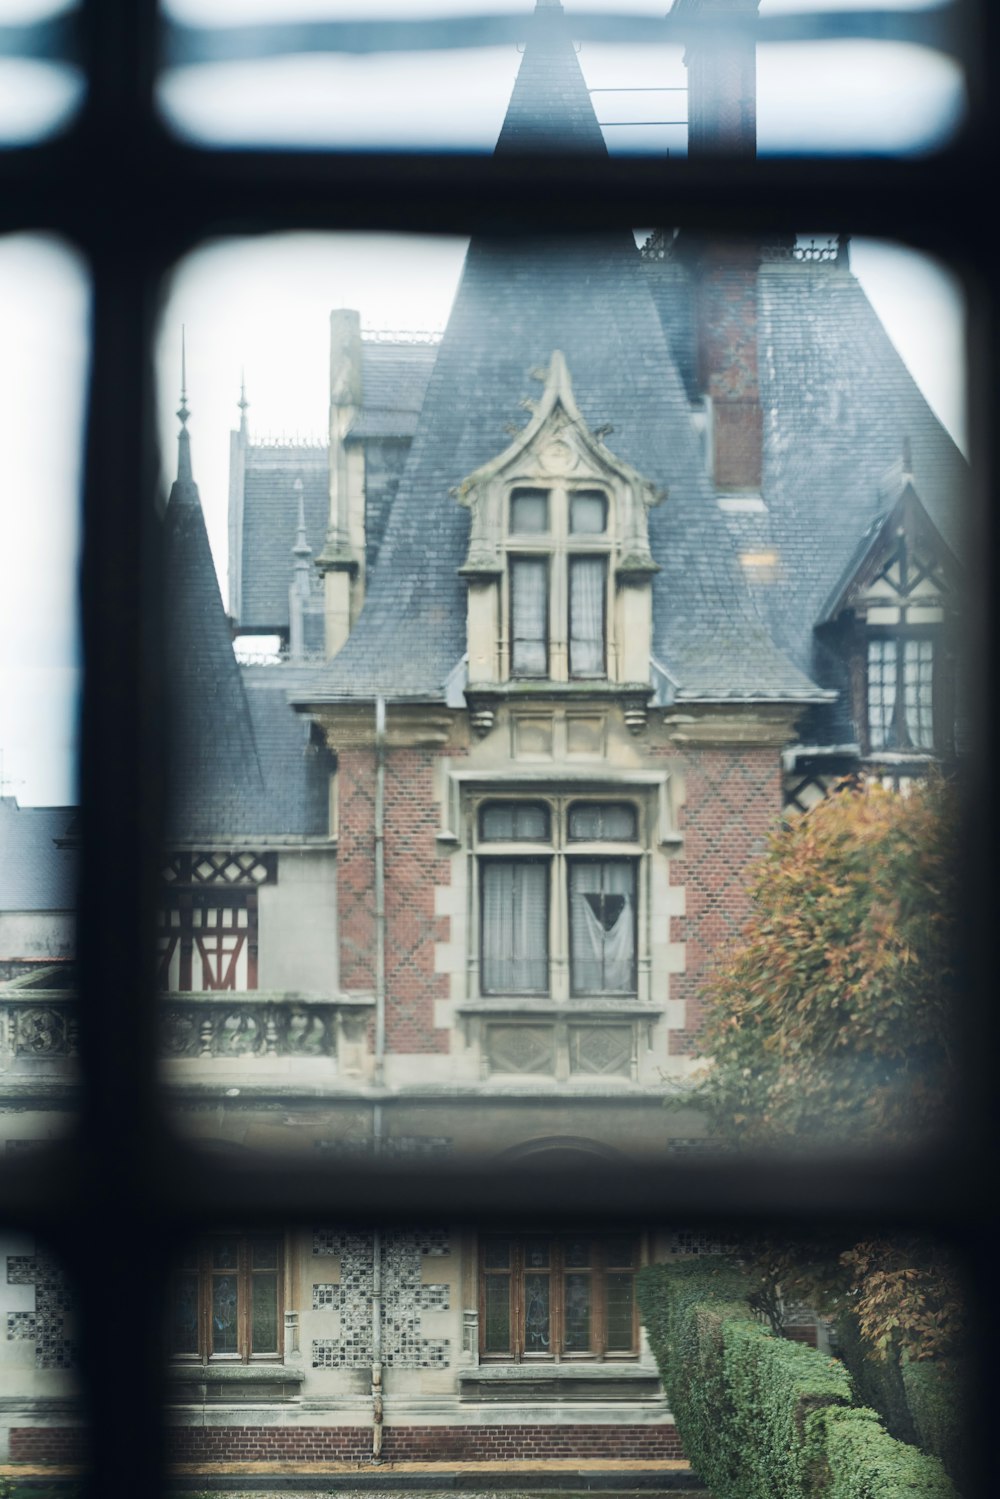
(184, 471)
(243, 403)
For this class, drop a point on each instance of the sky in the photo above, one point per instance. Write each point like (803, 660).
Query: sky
(261, 307)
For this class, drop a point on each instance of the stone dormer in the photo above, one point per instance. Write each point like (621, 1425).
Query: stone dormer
(559, 568)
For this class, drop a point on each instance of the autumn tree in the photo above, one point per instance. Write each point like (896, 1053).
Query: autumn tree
(832, 1020)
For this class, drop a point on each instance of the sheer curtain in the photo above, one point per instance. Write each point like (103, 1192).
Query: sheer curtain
(586, 616)
(602, 920)
(881, 691)
(515, 927)
(918, 674)
(529, 592)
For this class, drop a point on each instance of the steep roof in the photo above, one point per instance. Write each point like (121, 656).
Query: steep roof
(37, 865)
(517, 302)
(240, 764)
(272, 475)
(394, 380)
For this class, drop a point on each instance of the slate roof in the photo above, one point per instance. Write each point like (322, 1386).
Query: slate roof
(241, 765)
(838, 406)
(517, 302)
(393, 383)
(270, 517)
(36, 874)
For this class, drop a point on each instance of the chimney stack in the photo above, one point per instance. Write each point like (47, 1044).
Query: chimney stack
(722, 120)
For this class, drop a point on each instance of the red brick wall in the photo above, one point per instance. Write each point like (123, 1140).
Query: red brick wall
(412, 869)
(193, 1444)
(48, 1444)
(727, 361)
(733, 798)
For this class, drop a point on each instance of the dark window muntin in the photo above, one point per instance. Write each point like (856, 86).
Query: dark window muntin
(556, 1263)
(246, 1261)
(93, 1200)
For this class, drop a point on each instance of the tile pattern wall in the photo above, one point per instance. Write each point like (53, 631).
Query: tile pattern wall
(48, 1324)
(404, 1299)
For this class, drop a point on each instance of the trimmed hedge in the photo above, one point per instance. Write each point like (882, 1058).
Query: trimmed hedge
(760, 1417)
(935, 1395)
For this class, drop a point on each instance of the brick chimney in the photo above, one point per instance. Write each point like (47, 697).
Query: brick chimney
(722, 120)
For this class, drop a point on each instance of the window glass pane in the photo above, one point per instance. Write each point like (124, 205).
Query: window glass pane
(576, 1252)
(576, 1313)
(602, 821)
(496, 1254)
(918, 695)
(602, 927)
(264, 1254)
(841, 91)
(225, 1256)
(496, 1338)
(587, 600)
(264, 1325)
(515, 927)
(505, 821)
(184, 1314)
(588, 512)
(38, 93)
(529, 511)
(529, 611)
(619, 1293)
(537, 1330)
(881, 693)
(225, 1307)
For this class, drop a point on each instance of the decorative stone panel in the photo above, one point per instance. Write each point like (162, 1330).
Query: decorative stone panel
(228, 1029)
(44, 1031)
(404, 1298)
(521, 1048)
(601, 1050)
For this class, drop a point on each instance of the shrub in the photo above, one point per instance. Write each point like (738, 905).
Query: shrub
(760, 1417)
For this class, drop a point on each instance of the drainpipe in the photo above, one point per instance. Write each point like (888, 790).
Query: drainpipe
(377, 1403)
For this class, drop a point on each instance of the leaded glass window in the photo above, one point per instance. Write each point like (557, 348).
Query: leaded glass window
(552, 1297)
(225, 1301)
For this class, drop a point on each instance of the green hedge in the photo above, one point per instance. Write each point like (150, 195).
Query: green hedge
(935, 1395)
(761, 1417)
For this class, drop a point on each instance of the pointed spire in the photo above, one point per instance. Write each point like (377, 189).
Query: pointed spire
(550, 108)
(302, 551)
(184, 471)
(243, 403)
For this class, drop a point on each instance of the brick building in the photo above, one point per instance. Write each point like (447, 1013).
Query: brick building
(653, 542)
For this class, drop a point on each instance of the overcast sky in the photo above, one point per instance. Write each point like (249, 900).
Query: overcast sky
(262, 306)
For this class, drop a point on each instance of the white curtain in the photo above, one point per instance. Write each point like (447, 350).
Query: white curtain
(881, 691)
(586, 616)
(918, 678)
(529, 587)
(515, 951)
(602, 917)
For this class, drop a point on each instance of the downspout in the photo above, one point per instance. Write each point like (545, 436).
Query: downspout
(379, 1078)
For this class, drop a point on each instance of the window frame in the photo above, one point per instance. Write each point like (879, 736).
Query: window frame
(560, 546)
(203, 1252)
(559, 852)
(942, 726)
(557, 1270)
(101, 186)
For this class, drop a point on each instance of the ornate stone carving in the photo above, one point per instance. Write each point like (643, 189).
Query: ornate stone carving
(231, 1029)
(601, 1050)
(42, 1031)
(521, 1048)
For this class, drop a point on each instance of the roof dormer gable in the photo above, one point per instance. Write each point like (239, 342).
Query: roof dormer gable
(904, 565)
(557, 450)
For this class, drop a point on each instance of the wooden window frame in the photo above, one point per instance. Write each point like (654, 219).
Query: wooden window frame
(557, 1270)
(203, 1254)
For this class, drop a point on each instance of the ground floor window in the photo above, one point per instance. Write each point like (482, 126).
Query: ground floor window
(226, 1300)
(566, 1296)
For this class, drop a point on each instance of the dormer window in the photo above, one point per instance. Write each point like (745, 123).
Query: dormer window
(558, 595)
(558, 567)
